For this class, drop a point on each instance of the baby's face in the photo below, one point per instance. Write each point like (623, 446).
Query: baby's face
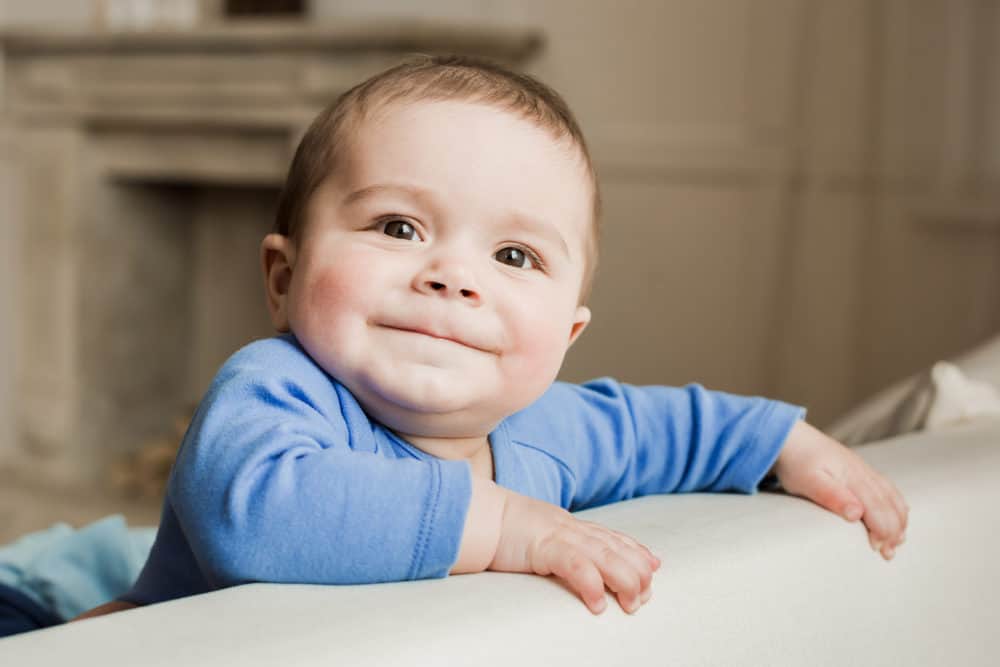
(439, 271)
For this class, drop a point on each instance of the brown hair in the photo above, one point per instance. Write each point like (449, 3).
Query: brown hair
(451, 77)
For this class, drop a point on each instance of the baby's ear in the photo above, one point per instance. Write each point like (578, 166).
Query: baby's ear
(277, 258)
(580, 322)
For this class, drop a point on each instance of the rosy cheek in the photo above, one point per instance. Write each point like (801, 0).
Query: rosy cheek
(329, 292)
(539, 348)
(325, 291)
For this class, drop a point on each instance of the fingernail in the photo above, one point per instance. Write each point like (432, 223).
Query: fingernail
(634, 607)
(602, 605)
(853, 513)
(890, 552)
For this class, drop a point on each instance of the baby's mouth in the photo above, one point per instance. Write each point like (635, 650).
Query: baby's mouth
(432, 334)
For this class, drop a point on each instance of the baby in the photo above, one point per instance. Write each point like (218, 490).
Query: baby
(434, 249)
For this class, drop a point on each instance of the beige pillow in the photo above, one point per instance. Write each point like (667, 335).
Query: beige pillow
(946, 393)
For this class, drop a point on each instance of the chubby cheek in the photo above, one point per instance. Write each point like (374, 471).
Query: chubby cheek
(327, 301)
(330, 293)
(539, 345)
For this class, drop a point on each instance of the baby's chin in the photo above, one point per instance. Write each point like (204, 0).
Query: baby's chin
(428, 413)
(463, 423)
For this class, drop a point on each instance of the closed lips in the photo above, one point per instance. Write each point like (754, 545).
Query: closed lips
(434, 334)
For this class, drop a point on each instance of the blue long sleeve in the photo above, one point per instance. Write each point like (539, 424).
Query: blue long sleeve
(283, 478)
(615, 441)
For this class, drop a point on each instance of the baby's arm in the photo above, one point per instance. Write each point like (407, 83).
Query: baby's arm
(280, 479)
(509, 532)
(815, 466)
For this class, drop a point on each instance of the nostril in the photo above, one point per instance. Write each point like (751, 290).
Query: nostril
(441, 287)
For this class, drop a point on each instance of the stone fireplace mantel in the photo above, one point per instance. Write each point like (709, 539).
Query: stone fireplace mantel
(146, 168)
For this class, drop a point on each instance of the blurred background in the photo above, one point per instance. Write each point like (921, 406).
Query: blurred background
(800, 199)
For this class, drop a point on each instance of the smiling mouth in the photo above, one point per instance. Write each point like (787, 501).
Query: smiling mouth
(429, 334)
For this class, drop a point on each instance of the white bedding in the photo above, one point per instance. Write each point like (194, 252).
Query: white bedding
(747, 580)
(948, 391)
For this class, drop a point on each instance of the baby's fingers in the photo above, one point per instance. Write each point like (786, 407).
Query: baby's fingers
(637, 547)
(638, 561)
(588, 568)
(902, 509)
(832, 494)
(884, 523)
(626, 574)
(583, 577)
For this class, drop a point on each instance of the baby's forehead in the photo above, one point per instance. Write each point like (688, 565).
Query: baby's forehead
(456, 128)
(457, 114)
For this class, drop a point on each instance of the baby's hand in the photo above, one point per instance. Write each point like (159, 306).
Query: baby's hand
(541, 538)
(815, 466)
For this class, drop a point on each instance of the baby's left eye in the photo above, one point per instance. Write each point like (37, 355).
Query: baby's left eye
(400, 229)
(517, 257)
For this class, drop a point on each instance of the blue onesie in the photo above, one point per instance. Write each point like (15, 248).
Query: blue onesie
(282, 477)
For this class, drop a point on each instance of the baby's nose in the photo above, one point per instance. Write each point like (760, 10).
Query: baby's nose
(442, 288)
(449, 280)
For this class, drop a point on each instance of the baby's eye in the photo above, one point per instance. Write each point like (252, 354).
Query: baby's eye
(400, 229)
(520, 258)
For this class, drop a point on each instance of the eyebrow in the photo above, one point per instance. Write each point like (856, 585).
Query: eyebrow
(534, 225)
(375, 190)
(514, 219)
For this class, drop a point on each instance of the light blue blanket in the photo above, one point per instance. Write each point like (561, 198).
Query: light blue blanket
(69, 571)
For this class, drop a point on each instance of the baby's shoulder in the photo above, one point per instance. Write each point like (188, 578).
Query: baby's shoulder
(569, 398)
(278, 356)
(274, 379)
(271, 368)
(565, 408)
(284, 347)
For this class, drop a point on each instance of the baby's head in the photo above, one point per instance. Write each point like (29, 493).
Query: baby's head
(435, 243)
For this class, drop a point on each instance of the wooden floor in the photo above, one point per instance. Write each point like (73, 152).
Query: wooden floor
(25, 508)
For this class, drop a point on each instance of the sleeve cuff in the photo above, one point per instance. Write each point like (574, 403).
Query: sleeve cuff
(763, 450)
(444, 521)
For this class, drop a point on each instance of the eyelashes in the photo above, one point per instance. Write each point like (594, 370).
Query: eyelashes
(516, 255)
(400, 229)
(517, 252)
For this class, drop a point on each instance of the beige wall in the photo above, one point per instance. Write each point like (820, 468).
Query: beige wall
(8, 293)
(8, 273)
(768, 168)
(46, 12)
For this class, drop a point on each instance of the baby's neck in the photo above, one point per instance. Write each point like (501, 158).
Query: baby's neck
(476, 450)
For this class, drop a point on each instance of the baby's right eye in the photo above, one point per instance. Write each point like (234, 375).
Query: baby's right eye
(400, 229)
